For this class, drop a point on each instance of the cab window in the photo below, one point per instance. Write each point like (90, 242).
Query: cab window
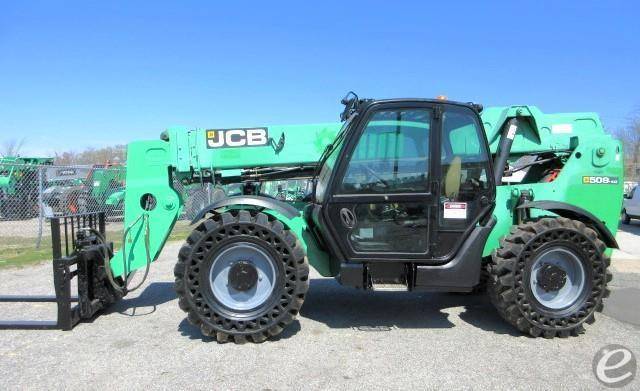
(392, 154)
(463, 156)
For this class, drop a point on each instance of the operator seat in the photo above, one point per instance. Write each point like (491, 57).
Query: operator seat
(452, 179)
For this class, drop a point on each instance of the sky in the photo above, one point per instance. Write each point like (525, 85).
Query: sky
(85, 74)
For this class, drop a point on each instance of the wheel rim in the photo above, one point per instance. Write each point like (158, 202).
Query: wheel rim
(557, 278)
(222, 277)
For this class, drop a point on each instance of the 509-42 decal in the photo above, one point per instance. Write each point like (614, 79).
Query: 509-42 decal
(599, 180)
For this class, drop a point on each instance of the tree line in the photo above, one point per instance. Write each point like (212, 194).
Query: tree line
(111, 154)
(629, 135)
(114, 154)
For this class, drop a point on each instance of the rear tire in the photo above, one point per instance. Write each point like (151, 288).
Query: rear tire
(543, 303)
(626, 219)
(253, 308)
(82, 203)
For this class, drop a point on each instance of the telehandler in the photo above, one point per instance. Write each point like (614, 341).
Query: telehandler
(19, 181)
(404, 195)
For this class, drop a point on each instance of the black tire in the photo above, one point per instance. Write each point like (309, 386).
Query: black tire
(626, 219)
(481, 287)
(510, 269)
(13, 208)
(5, 210)
(195, 261)
(82, 203)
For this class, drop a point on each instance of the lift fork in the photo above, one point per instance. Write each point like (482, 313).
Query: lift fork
(83, 259)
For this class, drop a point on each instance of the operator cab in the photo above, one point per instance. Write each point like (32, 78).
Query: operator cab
(402, 189)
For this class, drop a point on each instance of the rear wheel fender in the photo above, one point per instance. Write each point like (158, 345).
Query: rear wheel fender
(575, 213)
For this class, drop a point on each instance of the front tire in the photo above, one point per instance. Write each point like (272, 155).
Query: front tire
(241, 276)
(549, 277)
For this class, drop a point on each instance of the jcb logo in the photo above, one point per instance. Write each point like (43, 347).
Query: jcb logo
(225, 138)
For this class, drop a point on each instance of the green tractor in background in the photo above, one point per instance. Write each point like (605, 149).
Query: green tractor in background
(115, 202)
(73, 190)
(106, 186)
(66, 191)
(19, 186)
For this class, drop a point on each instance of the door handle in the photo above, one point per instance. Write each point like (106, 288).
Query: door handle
(347, 218)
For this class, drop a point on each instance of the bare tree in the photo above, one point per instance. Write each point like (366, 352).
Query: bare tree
(12, 147)
(115, 154)
(630, 137)
(66, 158)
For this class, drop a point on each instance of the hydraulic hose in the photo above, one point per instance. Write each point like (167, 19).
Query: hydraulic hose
(147, 253)
(124, 288)
(506, 141)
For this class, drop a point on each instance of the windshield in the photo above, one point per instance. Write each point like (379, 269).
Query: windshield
(392, 154)
(328, 159)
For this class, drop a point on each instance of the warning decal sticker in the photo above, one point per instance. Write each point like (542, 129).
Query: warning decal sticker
(455, 210)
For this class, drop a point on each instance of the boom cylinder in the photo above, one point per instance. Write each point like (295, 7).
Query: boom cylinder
(509, 133)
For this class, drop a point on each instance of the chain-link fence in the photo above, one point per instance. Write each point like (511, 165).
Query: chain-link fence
(31, 194)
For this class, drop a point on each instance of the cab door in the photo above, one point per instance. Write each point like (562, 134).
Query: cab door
(382, 205)
(467, 190)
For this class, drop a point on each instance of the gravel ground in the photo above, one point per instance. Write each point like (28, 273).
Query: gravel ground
(422, 341)
(23, 228)
(29, 228)
(627, 237)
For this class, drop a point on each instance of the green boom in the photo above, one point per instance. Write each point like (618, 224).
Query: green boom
(152, 166)
(152, 205)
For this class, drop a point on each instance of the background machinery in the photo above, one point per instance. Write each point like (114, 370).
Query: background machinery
(105, 186)
(403, 195)
(73, 190)
(67, 190)
(19, 186)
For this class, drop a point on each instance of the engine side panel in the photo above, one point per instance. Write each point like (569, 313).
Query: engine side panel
(587, 180)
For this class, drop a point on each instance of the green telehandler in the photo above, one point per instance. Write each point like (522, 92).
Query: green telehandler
(106, 184)
(73, 190)
(401, 195)
(19, 186)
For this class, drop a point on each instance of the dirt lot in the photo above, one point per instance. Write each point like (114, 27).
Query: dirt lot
(29, 228)
(423, 341)
(19, 245)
